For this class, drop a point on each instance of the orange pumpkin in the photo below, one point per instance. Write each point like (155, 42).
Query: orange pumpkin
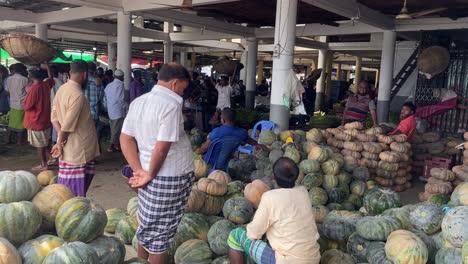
(254, 191)
(399, 147)
(389, 156)
(201, 168)
(195, 201)
(353, 146)
(44, 177)
(220, 176)
(212, 187)
(385, 139)
(372, 147)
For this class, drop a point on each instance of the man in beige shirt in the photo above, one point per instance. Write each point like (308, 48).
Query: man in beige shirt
(286, 216)
(76, 145)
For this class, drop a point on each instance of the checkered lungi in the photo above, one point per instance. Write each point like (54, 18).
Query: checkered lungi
(76, 177)
(258, 250)
(161, 206)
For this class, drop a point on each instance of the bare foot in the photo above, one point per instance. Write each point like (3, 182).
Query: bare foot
(39, 168)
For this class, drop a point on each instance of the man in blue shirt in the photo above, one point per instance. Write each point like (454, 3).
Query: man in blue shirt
(226, 129)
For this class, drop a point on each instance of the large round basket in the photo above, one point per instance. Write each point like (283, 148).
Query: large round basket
(227, 66)
(27, 49)
(433, 60)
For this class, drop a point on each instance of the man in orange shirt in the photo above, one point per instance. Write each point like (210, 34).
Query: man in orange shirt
(407, 121)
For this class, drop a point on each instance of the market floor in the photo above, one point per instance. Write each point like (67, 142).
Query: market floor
(109, 188)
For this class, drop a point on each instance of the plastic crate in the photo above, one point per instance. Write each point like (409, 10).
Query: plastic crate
(435, 163)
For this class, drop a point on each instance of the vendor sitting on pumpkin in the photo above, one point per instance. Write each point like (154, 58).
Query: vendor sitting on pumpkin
(407, 124)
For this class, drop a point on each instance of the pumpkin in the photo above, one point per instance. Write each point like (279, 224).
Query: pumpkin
(404, 156)
(389, 156)
(238, 210)
(44, 177)
(218, 236)
(75, 252)
(384, 139)
(460, 194)
(193, 251)
(312, 180)
(357, 246)
(16, 186)
(261, 153)
(336, 195)
(331, 167)
(80, 219)
(343, 178)
(292, 153)
(195, 201)
(437, 186)
(221, 260)
(372, 147)
(378, 200)
(284, 135)
(109, 250)
(389, 166)
(339, 225)
(319, 212)
(454, 226)
(329, 182)
(114, 215)
(405, 247)
(343, 136)
(402, 215)
(333, 256)
(438, 198)
(354, 125)
(201, 168)
(449, 256)
(350, 163)
(374, 131)
(366, 137)
(193, 226)
(318, 196)
(461, 171)
(314, 135)
(398, 147)
(385, 173)
(354, 154)
(136, 260)
(220, 176)
(429, 242)
(427, 217)
(338, 158)
(353, 146)
(375, 253)
(377, 227)
(361, 173)
(355, 200)
(275, 154)
(212, 205)
(49, 200)
(399, 180)
(19, 221)
(308, 166)
(358, 187)
(253, 192)
(400, 138)
(430, 137)
(8, 253)
(369, 155)
(53, 180)
(212, 187)
(318, 153)
(267, 137)
(132, 206)
(126, 229)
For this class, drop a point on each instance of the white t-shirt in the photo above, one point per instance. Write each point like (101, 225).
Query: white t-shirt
(157, 116)
(224, 96)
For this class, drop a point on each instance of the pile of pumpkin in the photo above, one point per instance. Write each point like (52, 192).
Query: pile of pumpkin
(41, 222)
(461, 171)
(388, 158)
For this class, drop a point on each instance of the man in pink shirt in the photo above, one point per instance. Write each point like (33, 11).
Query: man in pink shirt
(407, 121)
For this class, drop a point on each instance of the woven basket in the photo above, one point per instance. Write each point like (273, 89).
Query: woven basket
(433, 60)
(226, 66)
(27, 49)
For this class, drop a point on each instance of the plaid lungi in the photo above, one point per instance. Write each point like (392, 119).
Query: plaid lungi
(258, 250)
(161, 206)
(76, 177)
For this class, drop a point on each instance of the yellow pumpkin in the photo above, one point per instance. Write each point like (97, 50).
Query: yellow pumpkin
(201, 168)
(354, 125)
(389, 156)
(44, 177)
(354, 146)
(401, 138)
(220, 176)
(399, 147)
(8, 253)
(212, 187)
(423, 196)
(374, 131)
(343, 136)
(352, 132)
(403, 246)
(384, 139)
(372, 147)
(254, 191)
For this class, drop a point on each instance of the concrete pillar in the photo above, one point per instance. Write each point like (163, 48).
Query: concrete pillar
(321, 64)
(243, 60)
(357, 73)
(111, 55)
(283, 57)
(124, 46)
(250, 81)
(183, 58)
(168, 45)
(41, 31)
(260, 72)
(329, 74)
(386, 75)
(338, 72)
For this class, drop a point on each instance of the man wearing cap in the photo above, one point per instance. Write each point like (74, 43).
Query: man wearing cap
(114, 99)
(37, 113)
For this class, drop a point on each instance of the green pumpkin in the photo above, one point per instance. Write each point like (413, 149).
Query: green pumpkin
(16, 186)
(338, 158)
(114, 215)
(193, 251)
(376, 201)
(439, 198)
(218, 235)
(212, 219)
(36, 250)
(465, 252)
(221, 260)
(344, 178)
(319, 153)
(357, 247)
(375, 253)
(80, 219)
(335, 256)
(358, 187)
(350, 163)
(193, 226)
(213, 205)
(238, 210)
(454, 228)
(109, 250)
(329, 182)
(126, 229)
(235, 187)
(261, 153)
(312, 180)
(267, 137)
(307, 146)
(136, 260)
(19, 221)
(427, 217)
(339, 225)
(75, 252)
(196, 139)
(309, 166)
(292, 153)
(331, 167)
(348, 206)
(377, 227)
(449, 256)
(336, 195)
(318, 196)
(242, 168)
(355, 200)
(132, 206)
(361, 173)
(275, 154)
(430, 243)
(314, 135)
(334, 206)
(402, 215)
(257, 175)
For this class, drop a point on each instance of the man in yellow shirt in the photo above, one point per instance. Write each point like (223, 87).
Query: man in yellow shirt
(286, 216)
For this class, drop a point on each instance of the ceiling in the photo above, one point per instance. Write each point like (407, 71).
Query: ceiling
(36, 6)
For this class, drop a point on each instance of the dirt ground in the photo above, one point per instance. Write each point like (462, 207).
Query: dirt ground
(109, 188)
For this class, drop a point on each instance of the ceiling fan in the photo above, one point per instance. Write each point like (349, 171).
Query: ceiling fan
(404, 14)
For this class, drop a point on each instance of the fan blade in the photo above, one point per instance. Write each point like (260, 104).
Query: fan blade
(427, 12)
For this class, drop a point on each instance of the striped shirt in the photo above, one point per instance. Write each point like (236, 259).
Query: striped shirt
(157, 116)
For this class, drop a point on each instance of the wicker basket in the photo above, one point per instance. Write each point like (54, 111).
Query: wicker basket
(227, 66)
(27, 49)
(433, 60)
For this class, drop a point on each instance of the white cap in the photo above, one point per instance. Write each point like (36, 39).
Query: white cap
(118, 73)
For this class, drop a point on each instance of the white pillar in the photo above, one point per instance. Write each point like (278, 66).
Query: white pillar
(124, 46)
(386, 75)
(41, 31)
(168, 45)
(321, 64)
(251, 81)
(183, 58)
(111, 55)
(243, 60)
(283, 57)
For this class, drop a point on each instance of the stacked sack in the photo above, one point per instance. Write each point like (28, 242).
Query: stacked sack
(461, 171)
(439, 186)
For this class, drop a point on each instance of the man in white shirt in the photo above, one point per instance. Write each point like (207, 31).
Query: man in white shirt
(17, 87)
(159, 153)
(114, 99)
(224, 93)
